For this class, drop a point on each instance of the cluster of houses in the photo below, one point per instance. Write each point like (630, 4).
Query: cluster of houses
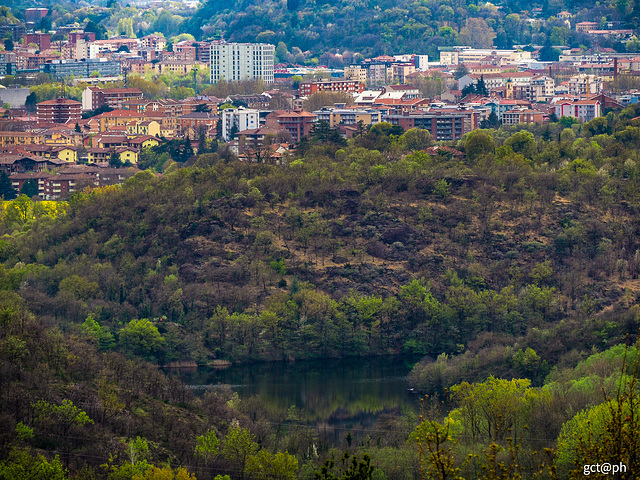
(466, 89)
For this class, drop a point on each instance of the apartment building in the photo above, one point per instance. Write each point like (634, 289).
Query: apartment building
(355, 72)
(349, 86)
(42, 40)
(400, 71)
(475, 55)
(584, 110)
(59, 110)
(117, 119)
(242, 61)
(442, 124)
(379, 73)
(585, 85)
(517, 116)
(82, 68)
(342, 115)
(96, 97)
(238, 119)
(298, 124)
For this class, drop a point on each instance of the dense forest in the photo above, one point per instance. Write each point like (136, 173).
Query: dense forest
(511, 260)
(341, 31)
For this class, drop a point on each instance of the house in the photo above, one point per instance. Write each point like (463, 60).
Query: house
(584, 27)
(143, 141)
(128, 155)
(143, 127)
(98, 154)
(109, 141)
(11, 163)
(67, 153)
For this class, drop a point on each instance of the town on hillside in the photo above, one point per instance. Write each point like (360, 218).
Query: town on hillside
(116, 122)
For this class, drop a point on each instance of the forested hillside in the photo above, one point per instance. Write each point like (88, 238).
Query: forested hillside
(393, 27)
(514, 254)
(353, 250)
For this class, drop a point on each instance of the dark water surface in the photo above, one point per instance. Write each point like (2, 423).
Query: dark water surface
(346, 393)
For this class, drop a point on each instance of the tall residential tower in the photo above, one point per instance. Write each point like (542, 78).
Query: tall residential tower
(242, 61)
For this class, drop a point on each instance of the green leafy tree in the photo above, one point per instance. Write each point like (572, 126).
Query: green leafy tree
(20, 210)
(98, 334)
(267, 466)
(239, 445)
(416, 139)
(436, 448)
(610, 430)
(141, 337)
(64, 421)
(207, 446)
(21, 464)
(442, 188)
(477, 144)
(494, 409)
(523, 142)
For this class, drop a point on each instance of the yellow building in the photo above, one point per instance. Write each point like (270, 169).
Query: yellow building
(348, 116)
(128, 154)
(168, 124)
(117, 118)
(178, 67)
(143, 141)
(21, 138)
(355, 72)
(484, 69)
(144, 127)
(66, 154)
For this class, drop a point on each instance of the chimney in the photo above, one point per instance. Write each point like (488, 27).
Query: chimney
(615, 68)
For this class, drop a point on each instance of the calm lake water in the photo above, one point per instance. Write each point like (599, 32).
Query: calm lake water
(338, 394)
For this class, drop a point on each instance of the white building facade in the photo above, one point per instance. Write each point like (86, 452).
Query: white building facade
(233, 62)
(240, 118)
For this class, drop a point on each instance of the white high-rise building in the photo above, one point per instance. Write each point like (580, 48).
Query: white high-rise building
(242, 61)
(240, 118)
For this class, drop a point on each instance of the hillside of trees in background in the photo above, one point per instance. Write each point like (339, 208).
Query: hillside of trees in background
(391, 27)
(340, 32)
(519, 258)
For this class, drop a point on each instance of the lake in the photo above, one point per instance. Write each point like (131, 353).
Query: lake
(337, 394)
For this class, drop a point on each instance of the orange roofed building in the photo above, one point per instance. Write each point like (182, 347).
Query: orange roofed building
(348, 86)
(117, 119)
(59, 110)
(298, 124)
